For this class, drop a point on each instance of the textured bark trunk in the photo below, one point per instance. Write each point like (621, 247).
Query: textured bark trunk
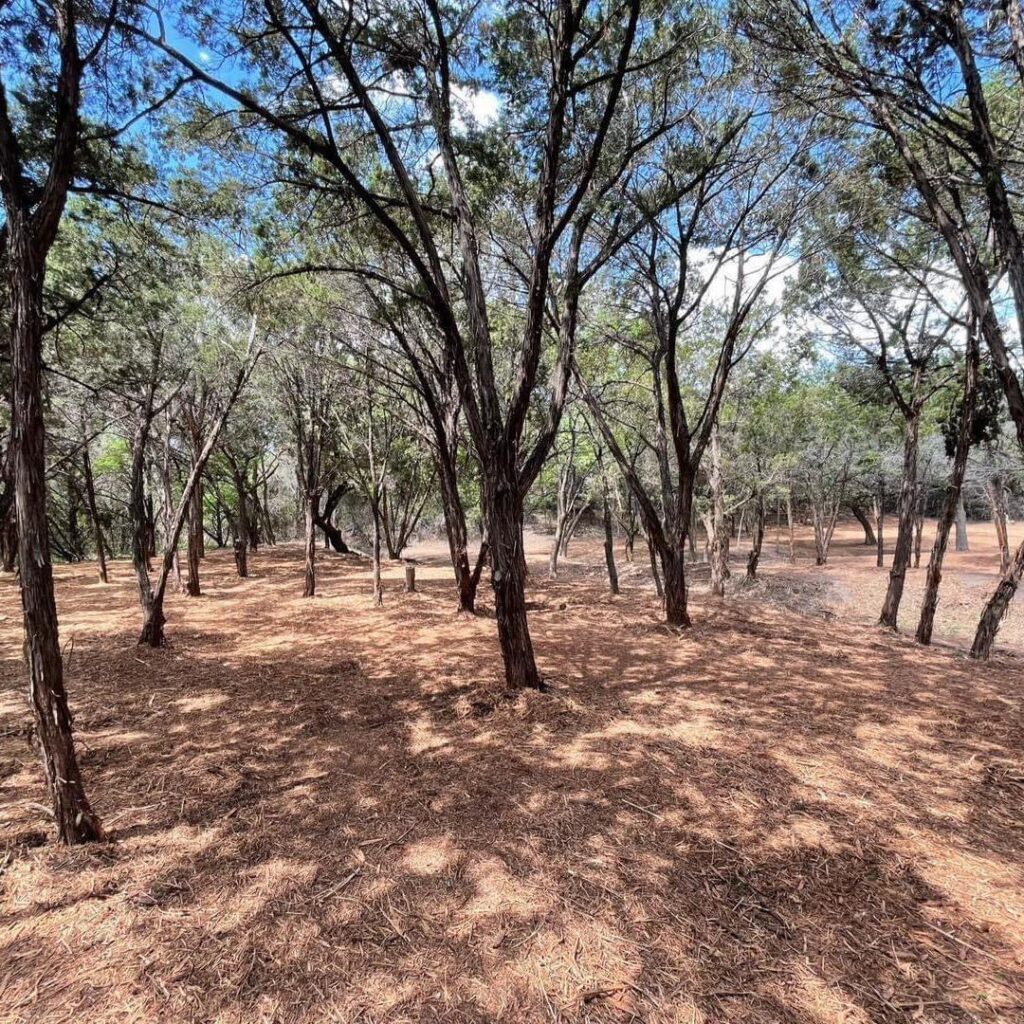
(879, 503)
(241, 558)
(792, 528)
(673, 564)
(658, 588)
(556, 544)
(195, 542)
(918, 537)
(503, 507)
(997, 606)
(904, 530)
(139, 517)
(74, 818)
(94, 516)
(716, 525)
(312, 502)
(609, 544)
(869, 534)
(954, 504)
(168, 512)
(995, 487)
(10, 541)
(757, 539)
(961, 524)
(378, 588)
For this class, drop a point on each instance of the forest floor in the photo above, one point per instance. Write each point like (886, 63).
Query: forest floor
(323, 811)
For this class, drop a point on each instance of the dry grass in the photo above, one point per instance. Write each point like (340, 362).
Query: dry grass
(329, 812)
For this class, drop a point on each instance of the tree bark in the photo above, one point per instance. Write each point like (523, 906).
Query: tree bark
(658, 588)
(791, 527)
(609, 538)
(312, 501)
(673, 564)
(879, 503)
(961, 524)
(757, 539)
(954, 498)
(195, 541)
(995, 487)
(997, 606)
(75, 820)
(905, 528)
(869, 534)
(504, 510)
(153, 627)
(94, 516)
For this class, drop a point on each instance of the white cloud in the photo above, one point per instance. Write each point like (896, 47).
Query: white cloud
(473, 108)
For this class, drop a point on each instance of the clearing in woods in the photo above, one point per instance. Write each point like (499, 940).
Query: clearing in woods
(327, 812)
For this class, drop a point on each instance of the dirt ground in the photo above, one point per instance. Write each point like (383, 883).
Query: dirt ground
(323, 811)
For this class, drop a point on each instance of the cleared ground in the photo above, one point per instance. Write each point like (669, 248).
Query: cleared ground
(327, 812)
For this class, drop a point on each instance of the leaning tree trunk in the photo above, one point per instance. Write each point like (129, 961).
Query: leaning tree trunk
(75, 819)
(869, 534)
(153, 626)
(997, 606)
(658, 588)
(905, 529)
(954, 501)
(455, 528)
(503, 507)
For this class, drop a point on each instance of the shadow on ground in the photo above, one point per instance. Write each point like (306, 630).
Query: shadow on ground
(327, 812)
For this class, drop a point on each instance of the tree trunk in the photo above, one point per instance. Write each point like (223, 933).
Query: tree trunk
(879, 503)
(312, 502)
(995, 487)
(609, 540)
(673, 563)
(997, 606)
(168, 516)
(503, 506)
(241, 559)
(918, 534)
(791, 526)
(658, 588)
(905, 528)
(10, 540)
(378, 589)
(869, 534)
(961, 524)
(716, 525)
(75, 820)
(94, 516)
(139, 517)
(757, 539)
(195, 541)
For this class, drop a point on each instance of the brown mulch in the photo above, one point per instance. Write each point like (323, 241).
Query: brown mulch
(323, 811)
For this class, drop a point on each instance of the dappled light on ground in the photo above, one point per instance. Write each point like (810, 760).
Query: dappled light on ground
(323, 811)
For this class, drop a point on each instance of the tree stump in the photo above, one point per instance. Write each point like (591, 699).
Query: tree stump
(410, 578)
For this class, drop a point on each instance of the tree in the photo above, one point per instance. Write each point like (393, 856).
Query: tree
(560, 172)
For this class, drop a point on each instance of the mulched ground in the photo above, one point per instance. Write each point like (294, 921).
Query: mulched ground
(323, 811)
